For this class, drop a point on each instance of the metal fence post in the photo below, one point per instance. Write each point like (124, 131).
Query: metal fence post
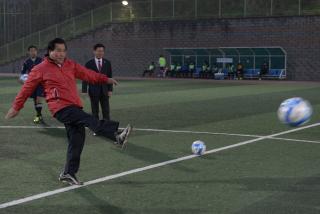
(244, 8)
(299, 7)
(173, 15)
(91, 19)
(39, 40)
(271, 7)
(7, 50)
(151, 9)
(220, 8)
(4, 22)
(111, 11)
(22, 46)
(196, 8)
(131, 11)
(73, 27)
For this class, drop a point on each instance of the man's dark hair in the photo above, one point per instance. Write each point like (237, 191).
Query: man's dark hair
(52, 44)
(32, 46)
(99, 45)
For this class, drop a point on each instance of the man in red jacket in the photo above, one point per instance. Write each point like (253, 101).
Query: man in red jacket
(58, 75)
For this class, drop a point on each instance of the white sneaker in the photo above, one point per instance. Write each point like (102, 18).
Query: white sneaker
(122, 138)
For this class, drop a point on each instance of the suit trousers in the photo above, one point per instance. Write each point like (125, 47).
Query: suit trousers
(103, 99)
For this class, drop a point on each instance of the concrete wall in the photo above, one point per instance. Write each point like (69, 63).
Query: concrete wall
(131, 46)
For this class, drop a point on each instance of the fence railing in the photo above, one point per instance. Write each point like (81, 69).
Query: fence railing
(150, 10)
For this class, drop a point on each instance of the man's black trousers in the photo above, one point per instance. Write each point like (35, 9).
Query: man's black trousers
(75, 120)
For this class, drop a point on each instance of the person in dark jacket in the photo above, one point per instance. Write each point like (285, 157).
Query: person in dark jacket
(101, 93)
(240, 71)
(264, 70)
(38, 93)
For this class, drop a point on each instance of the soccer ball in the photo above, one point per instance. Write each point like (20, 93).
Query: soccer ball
(198, 147)
(23, 77)
(295, 111)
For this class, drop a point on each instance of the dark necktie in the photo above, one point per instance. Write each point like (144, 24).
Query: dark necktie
(99, 65)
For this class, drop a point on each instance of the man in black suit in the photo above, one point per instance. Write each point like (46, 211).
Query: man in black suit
(99, 93)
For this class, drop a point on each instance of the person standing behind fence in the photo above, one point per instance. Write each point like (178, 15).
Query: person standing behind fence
(38, 93)
(162, 64)
(205, 71)
(100, 93)
(230, 68)
(191, 69)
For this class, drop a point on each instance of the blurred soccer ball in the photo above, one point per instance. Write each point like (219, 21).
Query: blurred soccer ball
(198, 147)
(295, 111)
(23, 77)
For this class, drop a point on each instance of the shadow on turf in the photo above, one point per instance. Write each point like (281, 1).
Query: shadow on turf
(289, 195)
(285, 194)
(167, 211)
(101, 207)
(151, 156)
(98, 203)
(95, 208)
(289, 185)
(51, 169)
(8, 152)
(61, 133)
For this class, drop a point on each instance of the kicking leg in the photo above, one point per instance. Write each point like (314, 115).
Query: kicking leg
(108, 129)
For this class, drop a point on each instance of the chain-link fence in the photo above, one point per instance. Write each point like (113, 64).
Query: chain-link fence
(158, 10)
(19, 18)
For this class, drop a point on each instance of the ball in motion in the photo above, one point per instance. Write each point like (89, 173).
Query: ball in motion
(295, 111)
(198, 147)
(24, 77)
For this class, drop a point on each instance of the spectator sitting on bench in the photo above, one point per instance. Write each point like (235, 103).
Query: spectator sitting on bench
(205, 69)
(150, 70)
(214, 70)
(178, 70)
(240, 71)
(166, 72)
(171, 71)
(264, 70)
(210, 72)
(230, 68)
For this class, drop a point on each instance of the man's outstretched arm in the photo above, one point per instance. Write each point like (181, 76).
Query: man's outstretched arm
(27, 89)
(92, 77)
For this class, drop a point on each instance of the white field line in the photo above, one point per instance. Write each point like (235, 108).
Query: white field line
(153, 166)
(174, 131)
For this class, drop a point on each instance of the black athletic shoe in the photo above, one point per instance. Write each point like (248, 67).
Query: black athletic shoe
(70, 179)
(122, 138)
